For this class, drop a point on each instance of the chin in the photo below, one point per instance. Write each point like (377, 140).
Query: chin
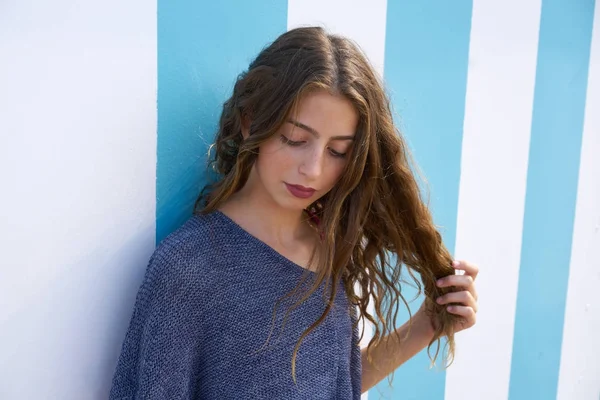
(295, 204)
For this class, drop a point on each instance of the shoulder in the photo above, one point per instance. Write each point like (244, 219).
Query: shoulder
(191, 240)
(188, 256)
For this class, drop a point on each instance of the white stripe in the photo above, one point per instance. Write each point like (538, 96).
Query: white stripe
(363, 22)
(498, 113)
(580, 365)
(77, 211)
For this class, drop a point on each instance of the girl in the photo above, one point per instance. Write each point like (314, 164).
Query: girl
(315, 211)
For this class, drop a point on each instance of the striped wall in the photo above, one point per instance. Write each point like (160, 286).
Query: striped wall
(107, 110)
(495, 153)
(556, 134)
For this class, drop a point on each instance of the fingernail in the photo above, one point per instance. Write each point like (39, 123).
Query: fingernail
(439, 300)
(455, 263)
(439, 282)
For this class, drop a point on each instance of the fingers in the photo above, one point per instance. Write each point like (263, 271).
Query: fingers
(470, 269)
(456, 280)
(462, 281)
(464, 298)
(463, 301)
(467, 312)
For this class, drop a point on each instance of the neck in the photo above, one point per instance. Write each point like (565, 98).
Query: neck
(256, 211)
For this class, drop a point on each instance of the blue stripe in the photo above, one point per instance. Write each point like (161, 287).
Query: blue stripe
(556, 133)
(202, 46)
(426, 64)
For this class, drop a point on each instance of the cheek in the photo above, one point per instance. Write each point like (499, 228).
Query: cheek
(274, 158)
(334, 173)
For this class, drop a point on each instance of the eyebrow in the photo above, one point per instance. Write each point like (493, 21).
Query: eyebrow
(315, 133)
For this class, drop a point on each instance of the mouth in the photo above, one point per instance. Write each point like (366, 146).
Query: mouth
(300, 191)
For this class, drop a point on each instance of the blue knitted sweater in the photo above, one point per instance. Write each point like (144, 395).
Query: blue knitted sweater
(203, 315)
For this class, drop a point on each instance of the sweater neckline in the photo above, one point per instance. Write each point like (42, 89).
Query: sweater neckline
(260, 243)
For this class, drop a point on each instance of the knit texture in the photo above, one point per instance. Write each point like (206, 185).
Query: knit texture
(204, 312)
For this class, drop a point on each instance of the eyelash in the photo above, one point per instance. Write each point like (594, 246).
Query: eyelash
(296, 144)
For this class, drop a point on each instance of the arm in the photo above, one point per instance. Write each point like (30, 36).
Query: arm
(391, 352)
(157, 355)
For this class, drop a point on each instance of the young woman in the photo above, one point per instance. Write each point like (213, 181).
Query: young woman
(312, 222)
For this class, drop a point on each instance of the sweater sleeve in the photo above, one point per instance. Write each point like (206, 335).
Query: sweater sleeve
(159, 354)
(356, 360)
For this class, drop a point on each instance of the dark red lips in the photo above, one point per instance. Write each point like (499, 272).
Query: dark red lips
(300, 191)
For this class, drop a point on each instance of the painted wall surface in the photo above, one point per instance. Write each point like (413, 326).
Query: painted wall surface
(107, 110)
(77, 171)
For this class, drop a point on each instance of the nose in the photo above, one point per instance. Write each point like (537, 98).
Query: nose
(312, 164)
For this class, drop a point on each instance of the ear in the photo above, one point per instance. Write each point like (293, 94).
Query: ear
(246, 126)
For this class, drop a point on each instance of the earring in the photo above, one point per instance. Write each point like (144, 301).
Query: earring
(313, 212)
(315, 208)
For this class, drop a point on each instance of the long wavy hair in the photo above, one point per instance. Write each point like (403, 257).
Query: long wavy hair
(374, 223)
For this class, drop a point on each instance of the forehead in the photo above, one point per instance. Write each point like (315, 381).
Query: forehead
(330, 115)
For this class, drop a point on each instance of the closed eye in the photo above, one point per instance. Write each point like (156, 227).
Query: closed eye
(336, 154)
(300, 143)
(290, 142)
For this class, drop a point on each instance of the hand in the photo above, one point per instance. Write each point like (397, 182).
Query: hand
(463, 301)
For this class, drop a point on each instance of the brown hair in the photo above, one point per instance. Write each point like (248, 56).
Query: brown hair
(374, 220)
